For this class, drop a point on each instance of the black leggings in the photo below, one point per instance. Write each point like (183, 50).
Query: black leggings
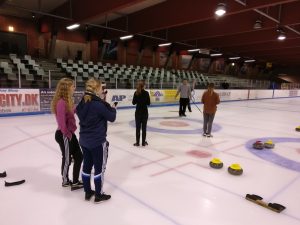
(69, 148)
(141, 118)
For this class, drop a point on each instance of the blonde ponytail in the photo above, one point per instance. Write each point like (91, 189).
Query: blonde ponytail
(93, 86)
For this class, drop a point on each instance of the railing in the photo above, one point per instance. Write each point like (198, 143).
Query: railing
(170, 82)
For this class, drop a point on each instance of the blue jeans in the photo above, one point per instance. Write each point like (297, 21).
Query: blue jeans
(207, 123)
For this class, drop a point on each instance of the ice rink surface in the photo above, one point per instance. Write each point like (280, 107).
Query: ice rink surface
(167, 182)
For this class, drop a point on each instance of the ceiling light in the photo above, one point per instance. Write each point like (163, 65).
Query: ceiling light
(234, 58)
(216, 54)
(11, 28)
(165, 44)
(281, 37)
(126, 37)
(204, 51)
(221, 9)
(232, 64)
(194, 50)
(73, 26)
(249, 60)
(257, 25)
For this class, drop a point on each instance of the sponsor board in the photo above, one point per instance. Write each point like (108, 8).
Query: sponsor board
(46, 96)
(286, 93)
(39, 100)
(19, 100)
(225, 95)
(293, 93)
(232, 95)
(259, 94)
(122, 96)
(163, 96)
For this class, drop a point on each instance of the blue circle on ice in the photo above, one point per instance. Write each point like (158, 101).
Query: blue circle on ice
(215, 128)
(271, 156)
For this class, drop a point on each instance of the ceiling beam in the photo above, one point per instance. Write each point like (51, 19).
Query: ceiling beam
(288, 60)
(229, 25)
(274, 52)
(164, 16)
(255, 37)
(89, 10)
(233, 24)
(289, 43)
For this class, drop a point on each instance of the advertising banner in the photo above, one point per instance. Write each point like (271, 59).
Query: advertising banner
(258, 94)
(286, 93)
(220, 65)
(231, 95)
(185, 61)
(46, 96)
(204, 64)
(39, 100)
(19, 100)
(110, 51)
(163, 96)
(163, 56)
(123, 97)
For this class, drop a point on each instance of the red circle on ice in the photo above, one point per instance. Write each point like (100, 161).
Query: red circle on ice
(173, 123)
(199, 154)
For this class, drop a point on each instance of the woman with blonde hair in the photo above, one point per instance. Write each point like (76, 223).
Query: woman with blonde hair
(141, 99)
(210, 100)
(93, 114)
(63, 107)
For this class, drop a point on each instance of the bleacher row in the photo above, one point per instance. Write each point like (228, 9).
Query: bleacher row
(116, 76)
(29, 69)
(122, 73)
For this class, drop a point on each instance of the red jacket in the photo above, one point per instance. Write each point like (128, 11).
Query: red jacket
(210, 102)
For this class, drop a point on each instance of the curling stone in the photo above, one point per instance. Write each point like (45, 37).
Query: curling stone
(216, 163)
(258, 145)
(235, 169)
(298, 129)
(269, 144)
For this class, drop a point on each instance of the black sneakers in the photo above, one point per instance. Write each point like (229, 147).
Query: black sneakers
(101, 198)
(76, 186)
(67, 184)
(145, 143)
(89, 195)
(136, 144)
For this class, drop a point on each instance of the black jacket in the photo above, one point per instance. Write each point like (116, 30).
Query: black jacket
(141, 101)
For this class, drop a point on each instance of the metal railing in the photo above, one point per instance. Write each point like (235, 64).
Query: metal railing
(170, 82)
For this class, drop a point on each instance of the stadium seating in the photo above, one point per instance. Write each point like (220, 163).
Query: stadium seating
(116, 76)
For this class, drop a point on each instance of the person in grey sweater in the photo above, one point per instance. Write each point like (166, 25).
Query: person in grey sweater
(185, 94)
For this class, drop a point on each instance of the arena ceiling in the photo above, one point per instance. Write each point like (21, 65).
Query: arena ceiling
(188, 24)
